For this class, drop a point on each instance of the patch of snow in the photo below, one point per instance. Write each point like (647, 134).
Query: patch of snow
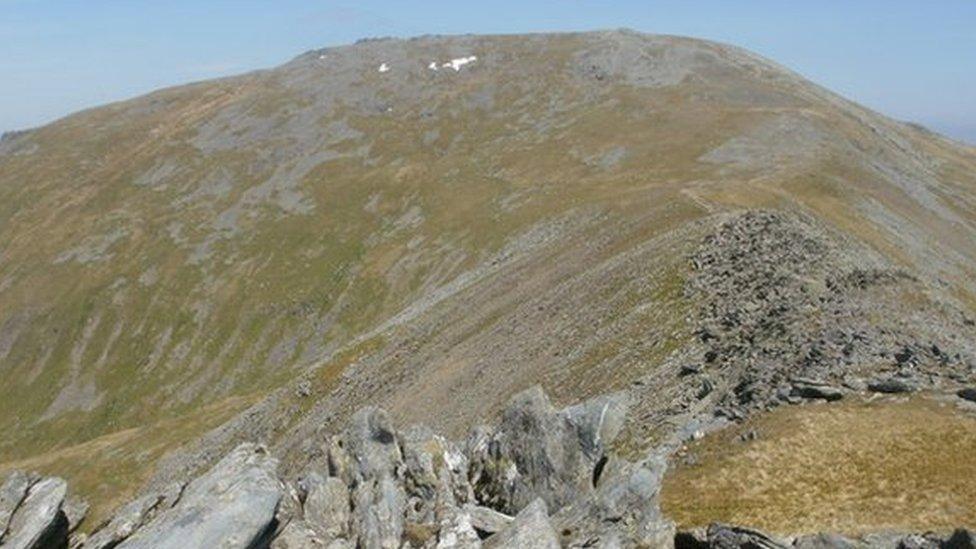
(456, 64)
(322, 56)
(432, 66)
(384, 68)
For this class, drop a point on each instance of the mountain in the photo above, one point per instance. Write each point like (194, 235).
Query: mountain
(435, 224)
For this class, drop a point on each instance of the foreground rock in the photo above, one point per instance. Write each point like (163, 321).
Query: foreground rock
(36, 520)
(233, 505)
(720, 536)
(542, 478)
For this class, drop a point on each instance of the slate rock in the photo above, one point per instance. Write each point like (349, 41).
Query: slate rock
(961, 539)
(529, 528)
(721, 536)
(297, 535)
(131, 517)
(823, 541)
(12, 493)
(968, 393)
(232, 505)
(891, 386)
(487, 520)
(327, 509)
(817, 391)
(39, 522)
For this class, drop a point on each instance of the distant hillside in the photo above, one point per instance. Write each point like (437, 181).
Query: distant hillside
(429, 224)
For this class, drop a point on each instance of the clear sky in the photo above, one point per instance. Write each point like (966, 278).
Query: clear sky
(913, 60)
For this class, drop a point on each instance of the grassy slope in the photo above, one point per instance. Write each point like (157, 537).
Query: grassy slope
(202, 244)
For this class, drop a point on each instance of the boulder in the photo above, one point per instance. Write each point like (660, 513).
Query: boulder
(75, 509)
(624, 506)
(367, 457)
(968, 393)
(529, 528)
(817, 391)
(487, 520)
(297, 535)
(232, 505)
(891, 385)
(823, 541)
(12, 493)
(721, 536)
(961, 539)
(131, 517)
(539, 452)
(327, 509)
(38, 522)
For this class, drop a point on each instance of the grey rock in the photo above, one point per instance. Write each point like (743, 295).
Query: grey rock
(530, 528)
(368, 459)
(891, 385)
(915, 541)
(327, 509)
(75, 509)
(823, 541)
(722, 536)
(457, 531)
(487, 520)
(131, 517)
(961, 539)
(12, 493)
(817, 391)
(968, 393)
(232, 505)
(39, 521)
(539, 452)
(623, 510)
(297, 535)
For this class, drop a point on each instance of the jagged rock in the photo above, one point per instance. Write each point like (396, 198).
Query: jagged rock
(131, 517)
(38, 522)
(961, 539)
(367, 457)
(915, 541)
(530, 528)
(487, 520)
(967, 394)
(817, 391)
(457, 531)
(75, 509)
(435, 476)
(539, 452)
(891, 385)
(722, 536)
(327, 506)
(823, 541)
(232, 505)
(623, 510)
(12, 493)
(297, 535)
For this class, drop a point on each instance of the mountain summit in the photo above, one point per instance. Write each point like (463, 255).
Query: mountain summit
(435, 224)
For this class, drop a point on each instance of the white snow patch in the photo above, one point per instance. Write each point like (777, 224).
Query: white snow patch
(456, 64)
(322, 56)
(432, 66)
(384, 68)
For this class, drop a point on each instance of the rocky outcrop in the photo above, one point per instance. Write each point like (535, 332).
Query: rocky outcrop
(788, 311)
(34, 507)
(542, 477)
(232, 505)
(720, 536)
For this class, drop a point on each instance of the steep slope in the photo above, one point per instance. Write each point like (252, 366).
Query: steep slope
(397, 222)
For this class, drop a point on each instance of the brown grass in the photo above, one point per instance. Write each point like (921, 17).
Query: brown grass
(907, 464)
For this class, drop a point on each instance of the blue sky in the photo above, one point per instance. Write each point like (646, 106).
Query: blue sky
(913, 60)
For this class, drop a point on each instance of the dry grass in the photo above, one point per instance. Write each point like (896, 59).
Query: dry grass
(851, 467)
